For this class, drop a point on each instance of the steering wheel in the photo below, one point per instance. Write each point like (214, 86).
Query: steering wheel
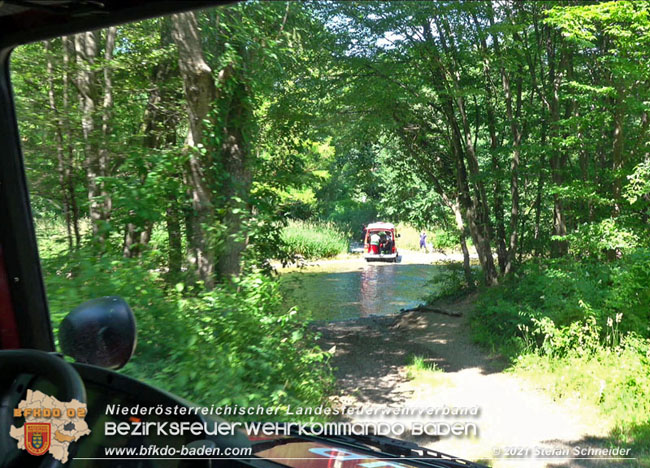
(50, 366)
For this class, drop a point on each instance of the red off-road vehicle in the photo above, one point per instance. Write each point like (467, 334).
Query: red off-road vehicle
(380, 242)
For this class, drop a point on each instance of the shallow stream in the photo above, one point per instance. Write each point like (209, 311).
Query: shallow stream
(350, 289)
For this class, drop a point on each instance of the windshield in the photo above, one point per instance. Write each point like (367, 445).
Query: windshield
(337, 210)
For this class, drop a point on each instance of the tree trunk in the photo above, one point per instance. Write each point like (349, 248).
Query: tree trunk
(479, 215)
(557, 162)
(476, 205)
(476, 227)
(130, 246)
(617, 163)
(158, 129)
(58, 137)
(515, 133)
(467, 269)
(502, 254)
(107, 108)
(175, 255)
(235, 155)
(86, 49)
(514, 169)
(474, 202)
(538, 202)
(70, 165)
(617, 150)
(200, 94)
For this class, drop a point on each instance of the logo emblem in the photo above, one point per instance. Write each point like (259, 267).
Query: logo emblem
(37, 438)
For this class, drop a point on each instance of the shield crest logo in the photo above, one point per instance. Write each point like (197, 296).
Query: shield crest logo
(37, 438)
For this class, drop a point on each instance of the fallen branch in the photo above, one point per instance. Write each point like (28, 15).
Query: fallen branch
(427, 308)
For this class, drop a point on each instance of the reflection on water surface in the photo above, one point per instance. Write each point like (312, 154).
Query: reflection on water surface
(378, 289)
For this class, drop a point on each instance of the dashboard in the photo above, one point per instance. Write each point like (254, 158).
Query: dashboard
(113, 403)
(120, 419)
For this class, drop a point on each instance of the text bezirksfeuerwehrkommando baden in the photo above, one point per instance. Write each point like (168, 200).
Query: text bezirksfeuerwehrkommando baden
(215, 428)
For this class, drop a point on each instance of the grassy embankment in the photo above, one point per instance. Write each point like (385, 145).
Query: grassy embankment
(423, 372)
(579, 330)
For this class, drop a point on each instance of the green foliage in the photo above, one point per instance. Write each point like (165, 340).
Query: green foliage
(235, 343)
(438, 238)
(444, 239)
(354, 112)
(451, 283)
(242, 348)
(348, 195)
(405, 193)
(351, 215)
(580, 330)
(313, 240)
(637, 193)
(596, 239)
(625, 22)
(232, 345)
(559, 305)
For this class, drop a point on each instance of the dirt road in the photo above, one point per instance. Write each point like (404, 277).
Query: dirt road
(370, 360)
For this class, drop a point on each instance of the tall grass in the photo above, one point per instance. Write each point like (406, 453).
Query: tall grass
(437, 237)
(425, 373)
(409, 237)
(314, 240)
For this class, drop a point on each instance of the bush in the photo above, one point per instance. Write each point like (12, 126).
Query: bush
(442, 239)
(565, 292)
(233, 345)
(579, 329)
(450, 283)
(598, 238)
(243, 349)
(616, 380)
(313, 240)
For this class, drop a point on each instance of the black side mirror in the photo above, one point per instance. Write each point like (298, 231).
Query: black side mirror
(101, 332)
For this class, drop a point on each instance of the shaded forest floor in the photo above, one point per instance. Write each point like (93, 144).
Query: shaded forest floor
(371, 367)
